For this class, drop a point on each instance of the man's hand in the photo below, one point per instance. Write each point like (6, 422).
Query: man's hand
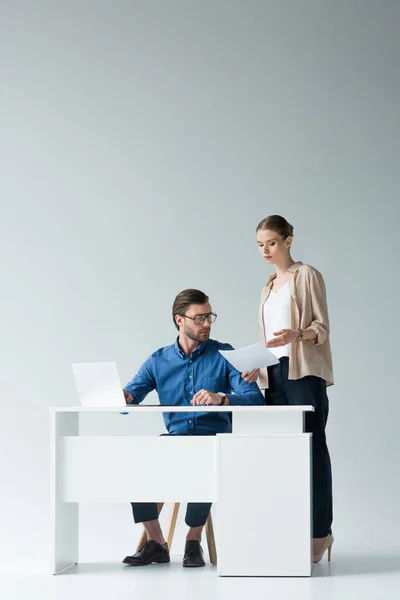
(207, 398)
(283, 337)
(128, 397)
(251, 376)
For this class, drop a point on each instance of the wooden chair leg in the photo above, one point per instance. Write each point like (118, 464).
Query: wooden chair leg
(143, 537)
(172, 524)
(212, 551)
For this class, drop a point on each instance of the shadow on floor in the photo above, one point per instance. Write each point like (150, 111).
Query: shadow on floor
(349, 564)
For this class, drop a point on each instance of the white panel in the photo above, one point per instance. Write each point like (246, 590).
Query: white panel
(140, 469)
(264, 507)
(64, 517)
(265, 423)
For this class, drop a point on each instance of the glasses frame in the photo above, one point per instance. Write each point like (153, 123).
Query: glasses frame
(204, 315)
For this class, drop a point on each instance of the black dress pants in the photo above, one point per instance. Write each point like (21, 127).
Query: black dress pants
(308, 390)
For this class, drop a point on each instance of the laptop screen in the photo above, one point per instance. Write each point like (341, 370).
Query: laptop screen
(98, 384)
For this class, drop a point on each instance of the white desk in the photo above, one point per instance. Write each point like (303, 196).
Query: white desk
(259, 476)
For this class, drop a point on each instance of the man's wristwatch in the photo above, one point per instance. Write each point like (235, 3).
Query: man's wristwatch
(224, 399)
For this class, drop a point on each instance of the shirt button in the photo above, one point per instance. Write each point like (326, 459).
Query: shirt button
(190, 377)
(190, 421)
(190, 362)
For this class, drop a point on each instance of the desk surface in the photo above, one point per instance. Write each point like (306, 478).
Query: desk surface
(163, 408)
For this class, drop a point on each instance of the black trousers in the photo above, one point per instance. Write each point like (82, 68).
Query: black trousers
(308, 390)
(196, 512)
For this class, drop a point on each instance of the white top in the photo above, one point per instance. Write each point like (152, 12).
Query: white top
(277, 316)
(159, 408)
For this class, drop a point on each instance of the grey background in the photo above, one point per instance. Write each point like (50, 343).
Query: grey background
(141, 143)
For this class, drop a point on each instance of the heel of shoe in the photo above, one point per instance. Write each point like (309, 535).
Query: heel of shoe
(330, 547)
(327, 545)
(166, 559)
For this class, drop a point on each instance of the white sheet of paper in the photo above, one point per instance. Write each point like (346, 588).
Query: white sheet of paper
(251, 357)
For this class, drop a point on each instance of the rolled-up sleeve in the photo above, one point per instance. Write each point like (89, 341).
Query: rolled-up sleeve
(143, 383)
(246, 394)
(320, 319)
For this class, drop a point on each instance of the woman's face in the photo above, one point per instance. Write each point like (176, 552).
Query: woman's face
(272, 247)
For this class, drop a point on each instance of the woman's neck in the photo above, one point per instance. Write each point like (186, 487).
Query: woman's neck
(282, 268)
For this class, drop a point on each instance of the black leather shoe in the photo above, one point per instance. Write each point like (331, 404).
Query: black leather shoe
(193, 554)
(150, 552)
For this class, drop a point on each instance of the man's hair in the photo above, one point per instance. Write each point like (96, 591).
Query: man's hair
(184, 299)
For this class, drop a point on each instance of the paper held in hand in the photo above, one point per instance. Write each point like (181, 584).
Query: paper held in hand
(251, 357)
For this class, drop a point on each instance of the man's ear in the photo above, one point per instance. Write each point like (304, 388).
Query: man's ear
(178, 320)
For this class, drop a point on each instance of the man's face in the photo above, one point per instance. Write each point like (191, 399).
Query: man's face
(197, 332)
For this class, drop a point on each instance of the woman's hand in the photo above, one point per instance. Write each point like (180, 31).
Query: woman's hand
(283, 337)
(251, 376)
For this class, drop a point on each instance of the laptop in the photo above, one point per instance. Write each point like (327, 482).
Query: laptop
(98, 384)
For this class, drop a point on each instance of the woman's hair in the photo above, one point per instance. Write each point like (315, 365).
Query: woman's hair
(184, 299)
(278, 224)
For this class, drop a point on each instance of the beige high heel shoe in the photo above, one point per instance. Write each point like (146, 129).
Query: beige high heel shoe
(327, 545)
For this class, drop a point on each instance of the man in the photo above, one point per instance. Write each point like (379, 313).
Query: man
(191, 371)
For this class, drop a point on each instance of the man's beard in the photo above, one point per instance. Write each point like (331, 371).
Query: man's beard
(193, 336)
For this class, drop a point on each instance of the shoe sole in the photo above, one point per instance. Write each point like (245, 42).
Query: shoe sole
(137, 564)
(191, 566)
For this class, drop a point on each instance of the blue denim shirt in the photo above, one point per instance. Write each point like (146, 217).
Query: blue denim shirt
(177, 377)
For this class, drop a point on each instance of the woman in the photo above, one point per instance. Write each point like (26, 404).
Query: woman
(294, 325)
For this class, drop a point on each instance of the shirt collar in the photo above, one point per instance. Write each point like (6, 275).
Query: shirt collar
(292, 269)
(198, 350)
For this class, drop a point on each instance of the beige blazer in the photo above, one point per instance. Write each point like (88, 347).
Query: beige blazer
(308, 310)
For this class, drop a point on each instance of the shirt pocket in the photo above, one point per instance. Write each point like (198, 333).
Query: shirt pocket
(214, 384)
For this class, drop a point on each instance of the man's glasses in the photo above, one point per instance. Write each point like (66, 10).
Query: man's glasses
(200, 319)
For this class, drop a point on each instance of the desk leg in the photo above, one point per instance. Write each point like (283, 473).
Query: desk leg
(64, 515)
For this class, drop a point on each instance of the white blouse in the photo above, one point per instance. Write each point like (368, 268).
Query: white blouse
(277, 316)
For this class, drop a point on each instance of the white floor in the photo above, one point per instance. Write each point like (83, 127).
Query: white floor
(354, 576)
